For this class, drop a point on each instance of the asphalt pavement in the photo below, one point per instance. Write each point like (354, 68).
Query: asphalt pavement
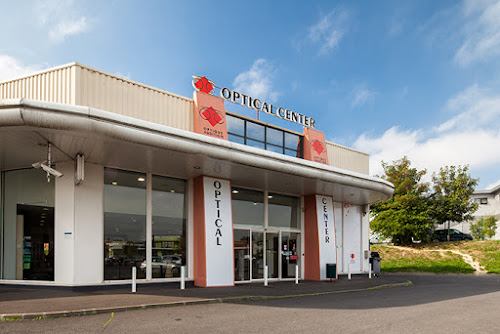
(44, 302)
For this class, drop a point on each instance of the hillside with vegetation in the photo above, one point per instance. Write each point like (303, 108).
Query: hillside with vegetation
(444, 257)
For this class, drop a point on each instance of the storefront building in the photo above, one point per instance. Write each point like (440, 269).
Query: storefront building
(100, 174)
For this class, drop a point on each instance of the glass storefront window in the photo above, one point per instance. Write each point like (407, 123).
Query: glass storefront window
(169, 227)
(284, 211)
(274, 137)
(248, 207)
(28, 225)
(291, 141)
(255, 131)
(262, 136)
(124, 224)
(235, 125)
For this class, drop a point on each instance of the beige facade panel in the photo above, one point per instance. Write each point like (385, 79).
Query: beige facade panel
(51, 86)
(78, 84)
(102, 91)
(347, 158)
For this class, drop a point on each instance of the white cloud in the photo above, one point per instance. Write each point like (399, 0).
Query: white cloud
(258, 81)
(362, 96)
(493, 185)
(329, 31)
(11, 68)
(470, 137)
(61, 18)
(481, 31)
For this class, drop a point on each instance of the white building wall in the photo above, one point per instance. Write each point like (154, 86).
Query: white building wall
(352, 238)
(339, 222)
(64, 223)
(89, 227)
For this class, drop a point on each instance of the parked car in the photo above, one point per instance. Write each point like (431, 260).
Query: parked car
(455, 235)
(166, 266)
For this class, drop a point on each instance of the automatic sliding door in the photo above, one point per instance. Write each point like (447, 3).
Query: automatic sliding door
(242, 255)
(257, 255)
(272, 252)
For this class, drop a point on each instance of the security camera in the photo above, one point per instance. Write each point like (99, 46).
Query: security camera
(48, 169)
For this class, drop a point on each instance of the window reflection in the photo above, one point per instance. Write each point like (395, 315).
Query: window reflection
(248, 207)
(169, 227)
(284, 211)
(124, 223)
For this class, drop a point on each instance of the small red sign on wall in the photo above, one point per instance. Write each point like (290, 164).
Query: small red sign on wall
(294, 257)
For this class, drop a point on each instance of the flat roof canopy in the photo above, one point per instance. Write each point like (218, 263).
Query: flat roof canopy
(127, 143)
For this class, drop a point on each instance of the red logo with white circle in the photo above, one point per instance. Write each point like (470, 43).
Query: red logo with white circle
(202, 84)
(211, 115)
(317, 146)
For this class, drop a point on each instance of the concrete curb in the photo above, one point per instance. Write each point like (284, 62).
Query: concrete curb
(92, 311)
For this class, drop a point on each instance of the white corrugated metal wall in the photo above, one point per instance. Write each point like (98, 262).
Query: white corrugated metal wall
(347, 158)
(103, 91)
(50, 86)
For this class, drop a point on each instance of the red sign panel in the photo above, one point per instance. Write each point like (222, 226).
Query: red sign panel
(209, 114)
(315, 146)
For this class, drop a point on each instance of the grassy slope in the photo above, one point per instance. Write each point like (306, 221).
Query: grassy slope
(396, 260)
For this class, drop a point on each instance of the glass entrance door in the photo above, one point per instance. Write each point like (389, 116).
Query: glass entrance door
(253, 250)
(290, 253)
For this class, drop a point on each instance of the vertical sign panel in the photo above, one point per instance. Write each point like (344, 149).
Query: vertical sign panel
(218, 232)
(315, 146)
(326, 233)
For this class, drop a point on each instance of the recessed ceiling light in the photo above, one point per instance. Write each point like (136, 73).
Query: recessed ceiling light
(141, 179)
(235, 191)
(269, 196)
(196, 167)
(114, 183)
(172, 190)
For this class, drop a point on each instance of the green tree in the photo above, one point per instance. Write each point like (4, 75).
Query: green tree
(406, 214)
(484, 228)
(451, 200)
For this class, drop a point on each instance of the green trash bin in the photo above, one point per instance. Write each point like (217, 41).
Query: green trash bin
(331, 270)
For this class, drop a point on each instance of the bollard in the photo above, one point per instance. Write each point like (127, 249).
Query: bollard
(183, 281)
(296, 274)
(349, 271)
(370, 270)
(265, 275)
(134, 279)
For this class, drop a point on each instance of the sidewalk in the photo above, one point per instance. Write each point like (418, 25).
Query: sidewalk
(28, 303)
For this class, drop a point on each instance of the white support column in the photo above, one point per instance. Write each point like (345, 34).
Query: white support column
(149, 225)
(296, 274)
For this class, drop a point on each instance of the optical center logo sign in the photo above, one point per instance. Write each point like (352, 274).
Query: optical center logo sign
(317, 146)
(210, 114)
(204, 85)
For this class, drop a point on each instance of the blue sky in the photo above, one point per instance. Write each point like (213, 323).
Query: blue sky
(391, 78)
